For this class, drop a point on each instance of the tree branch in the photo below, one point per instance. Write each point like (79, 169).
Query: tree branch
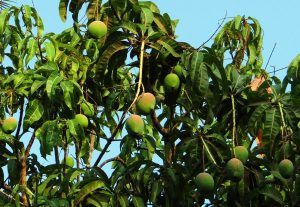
(20, 120)
(27, 151)
(91, 149)
(270, 56)
(163, 131)
(119, 159)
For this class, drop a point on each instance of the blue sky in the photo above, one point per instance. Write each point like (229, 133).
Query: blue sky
(198, 19)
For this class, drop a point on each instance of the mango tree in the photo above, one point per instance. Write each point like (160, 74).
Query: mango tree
(194, 126)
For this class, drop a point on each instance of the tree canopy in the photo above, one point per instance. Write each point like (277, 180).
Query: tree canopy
(204, 126)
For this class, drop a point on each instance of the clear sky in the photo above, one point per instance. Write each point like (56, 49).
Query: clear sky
(198, 19)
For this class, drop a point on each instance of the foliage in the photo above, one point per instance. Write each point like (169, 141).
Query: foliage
(46, 79)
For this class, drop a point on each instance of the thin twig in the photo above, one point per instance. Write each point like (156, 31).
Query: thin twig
(10, 197)
(271, 55)
(119, 159)
(220, 25)
(97, 10)
(274, 71)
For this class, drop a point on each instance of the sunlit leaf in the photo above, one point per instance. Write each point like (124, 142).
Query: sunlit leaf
(138, 201)
(271, 128)
(87, 189)
(52, 83)
(147, 16)
(198, 73)
(50, 51)
(34, 113)
(67, 88)
(63, 5)
(32, 49)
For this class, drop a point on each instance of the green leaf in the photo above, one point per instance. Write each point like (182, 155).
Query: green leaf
(73, 173)
(13, 166)
(123, 200)
(51, 85)
(4, 16)
(257, 114)
(87, 189)
(91, 9)
(147, 16)
(26, 11)
(63, 4)
(220, 139)
(48, 134)
(58, 202)
(92, 49)
(93, 202)
(198, 73)
(75, 129)
(38, 22)
(251, 54)
(256, 28)
(74, 8)
(32, 47)
(238, 80)
(108, 53)
(162, 23)
(7, 138)
(237, 22)
(293, 69)
(278, 176)
(271, 192)
(36, 85)
(156, 189)
(170, 45)
(210, 155)
(138, 201)
(51, 140)
(18, 78)
(48, 68)
(50, 51)
(34, 113)
(44, 184)
(150, 5)
(151, 146)
(271, 129)
(68, 88)
(87, 108)
(119, 7)
(128, 25)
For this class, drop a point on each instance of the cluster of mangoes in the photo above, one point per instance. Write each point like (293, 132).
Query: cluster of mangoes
(144, 105)
(235, 170)
(146, 102)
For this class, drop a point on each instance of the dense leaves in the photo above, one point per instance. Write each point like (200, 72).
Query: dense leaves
(225, 99)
